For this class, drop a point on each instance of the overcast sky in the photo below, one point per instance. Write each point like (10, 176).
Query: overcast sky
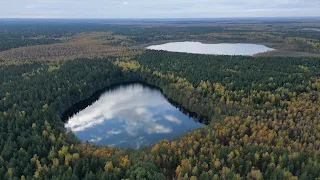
(157, 8)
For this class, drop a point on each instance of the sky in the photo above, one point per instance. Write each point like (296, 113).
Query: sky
(157, 8)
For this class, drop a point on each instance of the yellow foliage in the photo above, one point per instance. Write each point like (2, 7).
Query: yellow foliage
(75, 156)
(127, 65)
(217, 164)
(67, 159)
(36, 175)
(155, 148)
(178, 171)
(10, 172)
(108, 166)
(55, 163)
(45, 106)
(52, 138)
(219, 87)
(193, 178)
(63, 151)
(44, 133)
(255, 175)
(304, 68)
(125, 162)
(53, 68)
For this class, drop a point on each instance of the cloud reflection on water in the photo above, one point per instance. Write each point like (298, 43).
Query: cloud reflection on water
(132, 114)
(128, 104)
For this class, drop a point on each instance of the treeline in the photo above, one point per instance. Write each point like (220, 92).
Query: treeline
(28, 33)
(285, 35)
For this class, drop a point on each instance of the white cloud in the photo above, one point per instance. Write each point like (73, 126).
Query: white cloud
(173, 119)
(128, 105)
(141, 110)
(114, 132)
(159, 129)
(129, 117)
(96, 139)
(31, 6)
(163, 8)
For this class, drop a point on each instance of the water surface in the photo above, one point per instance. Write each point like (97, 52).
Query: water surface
(312, 29)
(219, 49)
(130, 115)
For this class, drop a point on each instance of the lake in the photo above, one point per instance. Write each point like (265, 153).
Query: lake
(312, 29)
(218, 49)
(129, 116)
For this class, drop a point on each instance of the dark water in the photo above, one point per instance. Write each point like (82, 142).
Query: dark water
(129, 115)
(219, 49)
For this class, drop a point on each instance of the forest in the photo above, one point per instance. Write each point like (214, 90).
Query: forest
(262, 113)
(254, 131)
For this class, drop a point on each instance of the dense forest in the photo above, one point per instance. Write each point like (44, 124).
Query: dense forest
(263, 118)
(261, 113)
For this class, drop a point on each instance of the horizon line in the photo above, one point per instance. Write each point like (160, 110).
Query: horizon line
(128, 18)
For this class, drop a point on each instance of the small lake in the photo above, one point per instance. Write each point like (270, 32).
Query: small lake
(129, 116)
(312, 29)
(218, 49)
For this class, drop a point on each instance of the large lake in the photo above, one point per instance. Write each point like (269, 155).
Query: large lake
(218, 49)
(130, 115)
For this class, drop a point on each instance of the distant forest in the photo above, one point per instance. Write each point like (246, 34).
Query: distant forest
(282, 35)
